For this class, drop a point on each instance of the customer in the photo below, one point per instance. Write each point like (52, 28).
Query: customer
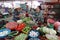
(16, 15)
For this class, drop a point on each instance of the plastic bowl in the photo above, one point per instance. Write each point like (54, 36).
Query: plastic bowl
(6, 32)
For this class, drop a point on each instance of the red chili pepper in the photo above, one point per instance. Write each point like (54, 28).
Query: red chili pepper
(20, 26)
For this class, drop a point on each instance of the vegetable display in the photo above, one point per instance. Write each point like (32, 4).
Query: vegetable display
(26, 28)
(27, 19)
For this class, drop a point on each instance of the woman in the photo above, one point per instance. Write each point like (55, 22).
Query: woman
(38, 15)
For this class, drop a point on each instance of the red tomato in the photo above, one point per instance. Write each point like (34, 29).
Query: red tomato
(20, 27)
(11, 25)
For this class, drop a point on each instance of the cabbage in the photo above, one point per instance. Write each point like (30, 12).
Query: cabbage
(26, 19)
(53, 32)
(45, 30)
(48, 31)
(51, 37)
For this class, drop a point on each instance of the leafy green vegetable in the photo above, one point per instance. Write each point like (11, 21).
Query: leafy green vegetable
(22, 36)
(26, 19)
(26, 29)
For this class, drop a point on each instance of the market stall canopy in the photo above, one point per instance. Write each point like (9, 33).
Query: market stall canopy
(34, 4)
(32, 0)
(8, 4)
(16, 0)
(30, 3)
(16, 4)
(13, 4)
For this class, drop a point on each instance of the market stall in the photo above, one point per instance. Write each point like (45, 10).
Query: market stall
(30, 20)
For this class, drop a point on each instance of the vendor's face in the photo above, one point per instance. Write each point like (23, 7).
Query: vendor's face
(37, 9)
(19, 9)
(45, 12)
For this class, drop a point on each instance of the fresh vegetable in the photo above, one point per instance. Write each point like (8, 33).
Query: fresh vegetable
(51, 37)
(20, 27)
(48, 30)
(26, 29)
(27, 19)
(22, 36)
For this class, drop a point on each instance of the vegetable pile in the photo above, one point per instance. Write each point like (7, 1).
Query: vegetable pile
(27, 29)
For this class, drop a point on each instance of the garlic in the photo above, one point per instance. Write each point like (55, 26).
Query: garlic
(51, 37)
